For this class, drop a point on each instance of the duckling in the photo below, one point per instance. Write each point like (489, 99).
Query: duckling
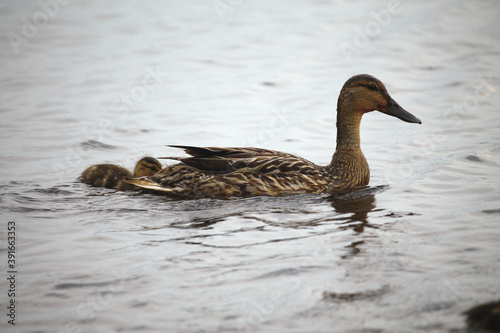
(112, 176)
(214, 172)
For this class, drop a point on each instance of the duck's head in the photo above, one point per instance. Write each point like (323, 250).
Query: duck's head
(147, 166)
(364, 93)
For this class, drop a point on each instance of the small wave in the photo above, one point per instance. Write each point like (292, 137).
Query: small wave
(94, 144)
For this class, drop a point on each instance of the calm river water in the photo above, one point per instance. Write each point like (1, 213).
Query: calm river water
(85, 82)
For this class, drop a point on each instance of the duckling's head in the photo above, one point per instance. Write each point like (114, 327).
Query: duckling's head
(147, 166)
(363, 93)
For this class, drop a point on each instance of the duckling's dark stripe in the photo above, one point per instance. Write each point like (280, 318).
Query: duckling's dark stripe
(150, 160)
(151, 163)
(111, 180)
(150, 167)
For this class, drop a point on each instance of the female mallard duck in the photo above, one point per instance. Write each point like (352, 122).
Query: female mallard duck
(213, 172)
(112, 176)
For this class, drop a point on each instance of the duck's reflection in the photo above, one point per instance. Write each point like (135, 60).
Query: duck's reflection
(358, 204)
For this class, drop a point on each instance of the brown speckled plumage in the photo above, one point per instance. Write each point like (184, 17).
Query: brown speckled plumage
(112, 176)
(214, 172)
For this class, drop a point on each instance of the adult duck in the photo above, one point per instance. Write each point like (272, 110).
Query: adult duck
(213, 172)
(112, 176)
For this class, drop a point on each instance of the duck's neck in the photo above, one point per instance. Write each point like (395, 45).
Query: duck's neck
(348, 166)
(348, 130)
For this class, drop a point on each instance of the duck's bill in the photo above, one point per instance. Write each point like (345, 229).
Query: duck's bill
(394, 109)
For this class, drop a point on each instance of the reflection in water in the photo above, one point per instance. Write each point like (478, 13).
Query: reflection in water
(359, 204)
(355, 296)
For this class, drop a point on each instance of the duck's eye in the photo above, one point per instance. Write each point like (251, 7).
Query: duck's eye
(372, 87)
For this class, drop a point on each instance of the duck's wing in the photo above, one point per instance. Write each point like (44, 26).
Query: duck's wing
(255, 160)
(225, 172)
(228, 152)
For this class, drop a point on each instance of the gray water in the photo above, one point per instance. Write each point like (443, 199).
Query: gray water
(85, 82)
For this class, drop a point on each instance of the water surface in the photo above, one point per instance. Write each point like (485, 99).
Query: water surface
(100, 82)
